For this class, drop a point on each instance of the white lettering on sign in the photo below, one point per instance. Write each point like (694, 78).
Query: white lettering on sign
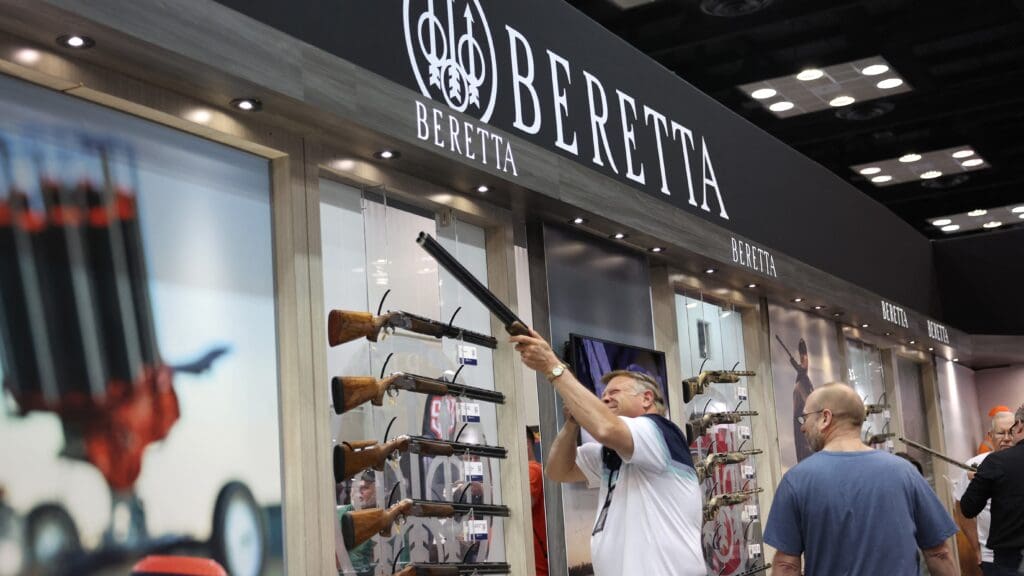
(938, 332)
(475, 143)
(453, 57)
(750, 256)
(895, 315)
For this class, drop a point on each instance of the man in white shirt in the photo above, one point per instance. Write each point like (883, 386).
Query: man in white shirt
(649, 522)
(1002, 438)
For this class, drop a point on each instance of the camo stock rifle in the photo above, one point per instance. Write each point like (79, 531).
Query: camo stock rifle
(730, 499)
(358, 526)
(695, 385)
(350, 458)
(712, 461)
(345, 326)
(700, 425)
(348, 392)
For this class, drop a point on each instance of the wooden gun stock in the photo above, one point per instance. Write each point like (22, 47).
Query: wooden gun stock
(348, 392)
(358, 526)
(345, 326)
(350, 458)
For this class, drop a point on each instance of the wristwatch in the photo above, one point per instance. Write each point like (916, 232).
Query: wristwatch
(556, 372)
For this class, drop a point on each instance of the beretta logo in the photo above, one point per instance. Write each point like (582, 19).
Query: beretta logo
(452, 54)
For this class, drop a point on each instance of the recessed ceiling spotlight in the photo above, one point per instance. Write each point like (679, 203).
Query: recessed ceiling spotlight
(763, 93)
(798, 300)
(931, 349)
(913, 342)
(972, 162)
(1018, 210)
(951, 228)
(810, 74)
(482, 189)
(865, 325)
(870, 170)
(907, 158)
(841, 101)
(710, 271)
(781, 106)
(76, 41)
(819, 307)
(837, 314)
(956, 359)
(963, 154)
(931, 174)
(387, 154)
(618, 236)
(752, 285)
(889, 83)
(657, 249)
(888, 333)
(942, 222)
(992, 224)
(578, 220)
(1021, 216)
(247, 104)
(978, 212)
(881, 179)
(874, 70)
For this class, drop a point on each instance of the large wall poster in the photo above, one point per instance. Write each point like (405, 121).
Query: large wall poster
(805, 354)
(140, 370)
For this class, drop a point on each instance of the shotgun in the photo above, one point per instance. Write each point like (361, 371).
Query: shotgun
(350, 458)
(939, 455)
(348, 392)
(730, 499)
(345, 326)
(358, 526)
(513, 325)
(870, 409)
(454, 569)
(718, 459)
(700, 425)
(694, 386)
(879, 438)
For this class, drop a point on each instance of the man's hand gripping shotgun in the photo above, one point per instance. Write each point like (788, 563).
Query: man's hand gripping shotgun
(730, 499)
(350, 458)
(697, 384)
(348, 392)
(358, 526)
(513, 325)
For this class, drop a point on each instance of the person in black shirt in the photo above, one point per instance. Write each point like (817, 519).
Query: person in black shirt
(1001, 479)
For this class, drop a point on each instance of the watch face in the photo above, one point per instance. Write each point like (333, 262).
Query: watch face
(557, 371)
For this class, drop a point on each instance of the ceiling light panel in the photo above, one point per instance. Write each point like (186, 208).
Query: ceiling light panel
(829, 87)
(916, 166)
(981, 219)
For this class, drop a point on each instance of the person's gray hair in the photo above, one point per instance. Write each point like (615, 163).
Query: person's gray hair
(641, 383)
(1005, 415)
(1019, 416)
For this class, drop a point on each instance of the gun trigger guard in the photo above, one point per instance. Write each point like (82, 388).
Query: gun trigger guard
(391, 392)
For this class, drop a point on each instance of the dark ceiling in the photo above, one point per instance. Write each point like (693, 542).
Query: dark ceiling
(964, 61)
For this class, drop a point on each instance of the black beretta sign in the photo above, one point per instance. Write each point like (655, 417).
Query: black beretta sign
(542, 71)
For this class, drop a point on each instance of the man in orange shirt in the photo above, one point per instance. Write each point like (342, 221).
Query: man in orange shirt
(540, 532)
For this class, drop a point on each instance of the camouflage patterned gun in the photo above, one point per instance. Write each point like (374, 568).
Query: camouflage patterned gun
(350, 458)
(712, 461)
(699, 426)
(870, 409)
(697, 384)
(348, 392)
(345, 326)
(730, 499)
(879, 438)
(358, 526)
(466, 569)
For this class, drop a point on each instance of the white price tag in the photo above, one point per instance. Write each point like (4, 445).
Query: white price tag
(741, 392)
(889, 445)
(886, 415)
(751, 512)
(744, 432)
(469, 412)
(754, 550)
(474, 471)
(474, 530)
(748, 471)
(467, 354)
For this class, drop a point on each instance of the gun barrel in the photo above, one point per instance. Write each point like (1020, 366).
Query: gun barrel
(462, 448)
(423, 325)
(462, 390)
(463, 509)
(469, 282)
(937, 454)
(453, 569)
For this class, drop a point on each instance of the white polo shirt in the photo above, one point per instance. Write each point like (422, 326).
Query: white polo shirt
(984, 519)
(653, 520)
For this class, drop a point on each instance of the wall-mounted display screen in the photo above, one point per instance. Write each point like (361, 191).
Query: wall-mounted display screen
(592, 358)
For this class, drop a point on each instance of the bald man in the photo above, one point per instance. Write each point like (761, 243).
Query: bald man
(976, 530)
(851, 510)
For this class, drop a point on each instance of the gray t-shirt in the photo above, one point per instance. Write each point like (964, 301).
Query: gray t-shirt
(856, 513)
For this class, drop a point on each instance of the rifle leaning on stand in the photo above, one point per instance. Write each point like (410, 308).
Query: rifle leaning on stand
(694, 386)
(513, 325)
(350, 458)
(730, 499)
(465, 569)
(345, 326)
(358, 526)
(348, 392)
(939, 455)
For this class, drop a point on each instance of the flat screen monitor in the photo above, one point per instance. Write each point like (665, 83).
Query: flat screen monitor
(592, 358)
